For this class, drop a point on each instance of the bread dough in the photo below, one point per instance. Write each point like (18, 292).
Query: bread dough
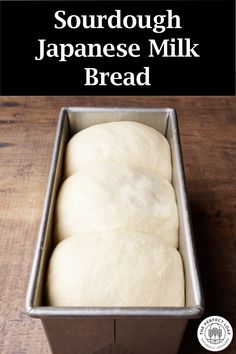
(131, 143)
(116, 268)
(108, 197)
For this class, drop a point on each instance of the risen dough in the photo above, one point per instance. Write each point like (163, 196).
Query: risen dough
(115, 269)
(108, 197)
(119, 142)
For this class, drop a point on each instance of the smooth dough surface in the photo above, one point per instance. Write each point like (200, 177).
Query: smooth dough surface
(131, 143)
(109, 197)
(115, 269)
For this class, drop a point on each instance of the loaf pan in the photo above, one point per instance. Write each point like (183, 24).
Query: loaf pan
(103, 330)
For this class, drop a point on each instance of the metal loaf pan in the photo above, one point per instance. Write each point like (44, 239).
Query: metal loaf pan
(80, 330)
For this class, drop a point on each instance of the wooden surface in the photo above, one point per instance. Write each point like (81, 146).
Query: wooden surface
(27, 131)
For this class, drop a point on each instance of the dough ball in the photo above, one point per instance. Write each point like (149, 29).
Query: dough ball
(108, 197)
(119, 142)
(116, 268)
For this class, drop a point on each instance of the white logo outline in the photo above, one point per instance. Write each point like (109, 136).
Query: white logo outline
(215, 333)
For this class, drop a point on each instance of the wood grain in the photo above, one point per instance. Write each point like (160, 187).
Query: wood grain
(27, 132)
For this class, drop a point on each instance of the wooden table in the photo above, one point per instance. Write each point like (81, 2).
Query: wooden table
(27, 131)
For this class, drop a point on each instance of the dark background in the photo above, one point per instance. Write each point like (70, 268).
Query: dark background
(210, 23)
